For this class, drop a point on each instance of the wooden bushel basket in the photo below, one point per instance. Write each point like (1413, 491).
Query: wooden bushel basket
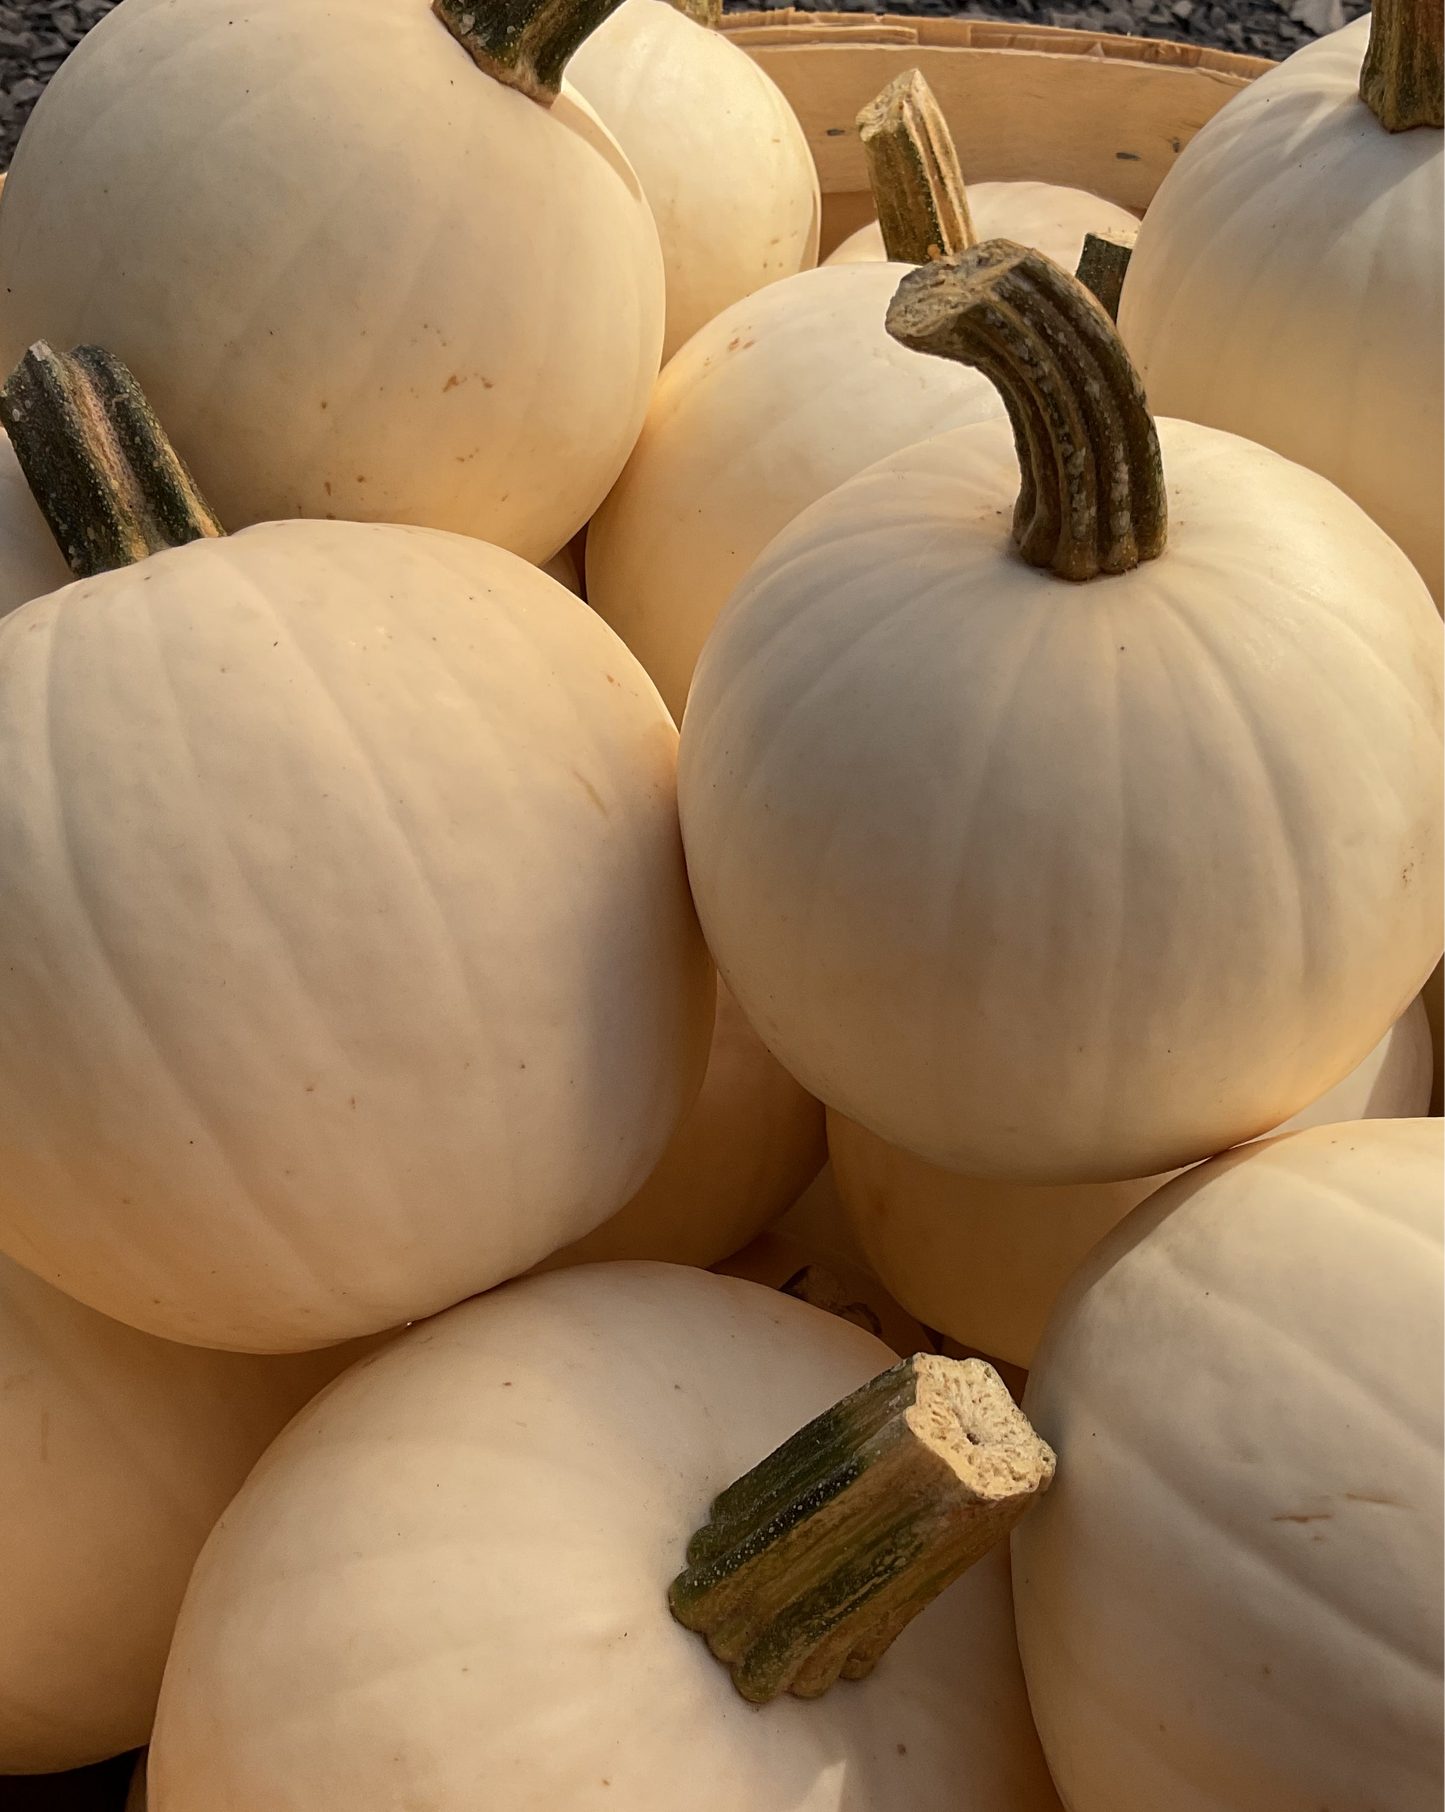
(1088, 109)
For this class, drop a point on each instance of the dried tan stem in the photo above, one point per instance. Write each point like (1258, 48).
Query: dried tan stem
(1402, 81)
(913, 173)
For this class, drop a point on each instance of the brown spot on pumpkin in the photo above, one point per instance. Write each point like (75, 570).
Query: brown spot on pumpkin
(591, 791)
(1306, 1516)
(310, 1088)
(324, 403)
(451, 383)
(328, 487)
(902, 1748)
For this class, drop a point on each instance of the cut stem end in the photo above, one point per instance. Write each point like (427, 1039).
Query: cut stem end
(812, 1563)
(913, 173)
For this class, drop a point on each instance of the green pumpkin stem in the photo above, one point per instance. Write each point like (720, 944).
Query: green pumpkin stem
(524, 43)
(913, 172)
(1102, 265)
(107, 480)
(1091, 498)
(701, 12)
(1402, 81)
(815, 1560)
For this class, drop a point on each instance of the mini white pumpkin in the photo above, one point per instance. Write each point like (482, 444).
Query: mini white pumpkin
(357, 276)
(1287, 283)
(488, 1623)
(1049, 216)
(1068, 881)
(1230, 1599)
(984, 1261)
(117, 1454)
(745, 1151)
(720, 155)
(347, 964)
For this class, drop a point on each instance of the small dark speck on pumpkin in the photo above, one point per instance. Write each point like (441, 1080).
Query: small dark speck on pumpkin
(1127, 157)
(902, 1748)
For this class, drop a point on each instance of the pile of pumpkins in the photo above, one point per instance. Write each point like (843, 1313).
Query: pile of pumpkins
(536, 717)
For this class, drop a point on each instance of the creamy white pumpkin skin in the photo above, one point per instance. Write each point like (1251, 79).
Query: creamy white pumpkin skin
(775, 403)
(1230, 1601)
(349, 965)
(448, 1583)
(744, 1152)
(356, 276)
(1070, 882)
(117, 1454)
(1048, 216)
(722, 160)
(984, 1261)
(1287, 285)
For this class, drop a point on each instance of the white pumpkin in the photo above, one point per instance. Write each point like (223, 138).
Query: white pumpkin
(489, 1623)
(720, 155)
(745, 1151)
(984, 1261)
(30, 562)
(1230, 1599)
(1050, 217)
(1069, 882)
(348, 960)
(769, 408)
(117, 1454)
(1287, 285)
(356, 276)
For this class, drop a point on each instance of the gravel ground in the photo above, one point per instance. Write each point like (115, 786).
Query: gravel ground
(37, 35)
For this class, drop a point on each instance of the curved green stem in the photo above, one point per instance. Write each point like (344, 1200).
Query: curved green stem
(1402, 81)
(524, 43)
(107, 479)
(1091, 497)
(812, 1563)
(913, 172)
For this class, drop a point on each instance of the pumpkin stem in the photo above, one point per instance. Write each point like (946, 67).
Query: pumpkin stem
(1092, 495)
(701, 12)
(1402, 81)
(524, 43)
(108, 481)
(815, 1560)
(1102, 265)
(913, 173)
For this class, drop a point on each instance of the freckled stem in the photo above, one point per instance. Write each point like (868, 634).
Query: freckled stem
(524, 43)
(813, 1562)
(1102, 265)
(107, 479)
(1091, 497)
(1403, 78)
(913, 173)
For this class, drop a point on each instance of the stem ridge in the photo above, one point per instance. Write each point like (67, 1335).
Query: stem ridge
(106, 477)
(1091, 497)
